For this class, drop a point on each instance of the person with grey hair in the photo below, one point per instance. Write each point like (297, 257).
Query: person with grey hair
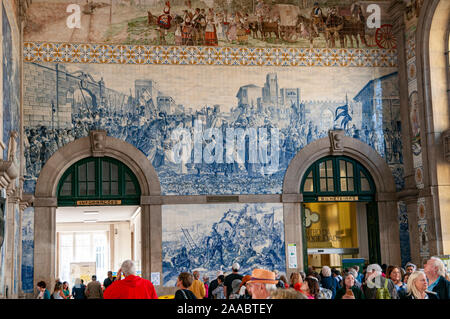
(355, 275)
(410, 268)
(262, 284)
(197, 287)
(376, 284)
(435, 272)
(328, 282)
(132, 286)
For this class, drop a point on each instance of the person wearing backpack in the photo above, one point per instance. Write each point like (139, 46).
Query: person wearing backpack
(377, 286)
(328, 282)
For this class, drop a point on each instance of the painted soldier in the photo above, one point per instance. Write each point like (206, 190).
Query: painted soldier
(164, 22)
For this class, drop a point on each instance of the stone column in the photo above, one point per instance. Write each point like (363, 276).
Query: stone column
(45, 240)
(410, 193)
(293, 228)
(390, 232)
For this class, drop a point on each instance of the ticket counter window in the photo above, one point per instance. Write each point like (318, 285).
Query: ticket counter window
(340, 218)
(331, 233)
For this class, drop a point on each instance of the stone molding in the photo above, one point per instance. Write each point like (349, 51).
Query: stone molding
(8, 173)
(446, 144)
(337, 147)
(26, 201)
(98, 143)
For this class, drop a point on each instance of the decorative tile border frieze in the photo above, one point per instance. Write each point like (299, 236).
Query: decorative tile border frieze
(192, 55)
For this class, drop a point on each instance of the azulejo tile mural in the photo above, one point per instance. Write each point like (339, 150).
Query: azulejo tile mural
(210, 130)
(172, 55)
(28, 250)
(223, 23)
(11, 87)
(212, 237)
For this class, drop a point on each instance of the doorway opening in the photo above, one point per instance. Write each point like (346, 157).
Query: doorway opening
(98, 220)
(340, 219)
(93, 240)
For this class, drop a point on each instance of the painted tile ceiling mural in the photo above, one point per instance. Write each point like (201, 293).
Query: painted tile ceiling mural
(223, 23)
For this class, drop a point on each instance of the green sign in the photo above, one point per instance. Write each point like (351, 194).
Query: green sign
(350, 262)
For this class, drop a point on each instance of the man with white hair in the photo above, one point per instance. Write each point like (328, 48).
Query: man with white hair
(262, 283)
(228, 289)
(328, 282)
(132, 287)
(435, 271)
(376, 284)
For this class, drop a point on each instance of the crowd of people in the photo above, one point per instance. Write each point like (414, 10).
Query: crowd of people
(372, 282)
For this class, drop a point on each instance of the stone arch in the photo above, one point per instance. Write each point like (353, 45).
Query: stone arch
(81, 148)
(353, 148)
(338, 144)
(45, 203)
(433, 82)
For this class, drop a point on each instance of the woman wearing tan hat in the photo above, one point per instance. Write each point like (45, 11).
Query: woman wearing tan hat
(262, 283)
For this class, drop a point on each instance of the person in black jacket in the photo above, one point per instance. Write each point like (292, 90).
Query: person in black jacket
(213, 285)
(435, 271)
(184, 281)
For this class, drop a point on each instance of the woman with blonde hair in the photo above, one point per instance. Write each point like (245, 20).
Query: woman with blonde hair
(296, 281)
(58, 291)
(417, 287)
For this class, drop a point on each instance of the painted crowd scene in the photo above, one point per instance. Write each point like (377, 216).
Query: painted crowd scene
(212, 237)
(145, 109)
(254, 23)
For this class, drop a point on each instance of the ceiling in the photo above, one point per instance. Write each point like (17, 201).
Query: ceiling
(98, 213)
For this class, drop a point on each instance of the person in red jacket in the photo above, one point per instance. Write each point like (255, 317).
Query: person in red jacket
(132, 287)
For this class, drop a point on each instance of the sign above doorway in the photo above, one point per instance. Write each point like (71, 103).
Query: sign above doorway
(338, 198)
(98, 202)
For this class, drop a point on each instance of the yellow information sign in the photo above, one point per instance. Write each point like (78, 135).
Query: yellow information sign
(338, 198)
(98, 202)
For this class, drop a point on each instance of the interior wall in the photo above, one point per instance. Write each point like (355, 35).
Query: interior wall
(122, 238)
(144, 93)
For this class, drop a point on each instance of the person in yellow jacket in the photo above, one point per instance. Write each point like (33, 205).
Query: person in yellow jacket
(198, 288)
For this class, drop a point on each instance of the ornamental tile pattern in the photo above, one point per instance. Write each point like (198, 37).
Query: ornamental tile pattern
(192, 55)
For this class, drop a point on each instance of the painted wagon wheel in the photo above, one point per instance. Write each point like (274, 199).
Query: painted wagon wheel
(385, 38)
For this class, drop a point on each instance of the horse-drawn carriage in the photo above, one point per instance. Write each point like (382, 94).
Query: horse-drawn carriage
(355, 24)
(343, 24)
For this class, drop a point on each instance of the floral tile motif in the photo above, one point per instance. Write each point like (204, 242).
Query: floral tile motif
(173, 55)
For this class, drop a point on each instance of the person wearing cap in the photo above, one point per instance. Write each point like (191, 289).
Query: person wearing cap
(228, 289)
(262, 284)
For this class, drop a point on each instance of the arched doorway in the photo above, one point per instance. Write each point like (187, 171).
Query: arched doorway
(62, 175)
(98, 219)
(340, 219)
(375, 170)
